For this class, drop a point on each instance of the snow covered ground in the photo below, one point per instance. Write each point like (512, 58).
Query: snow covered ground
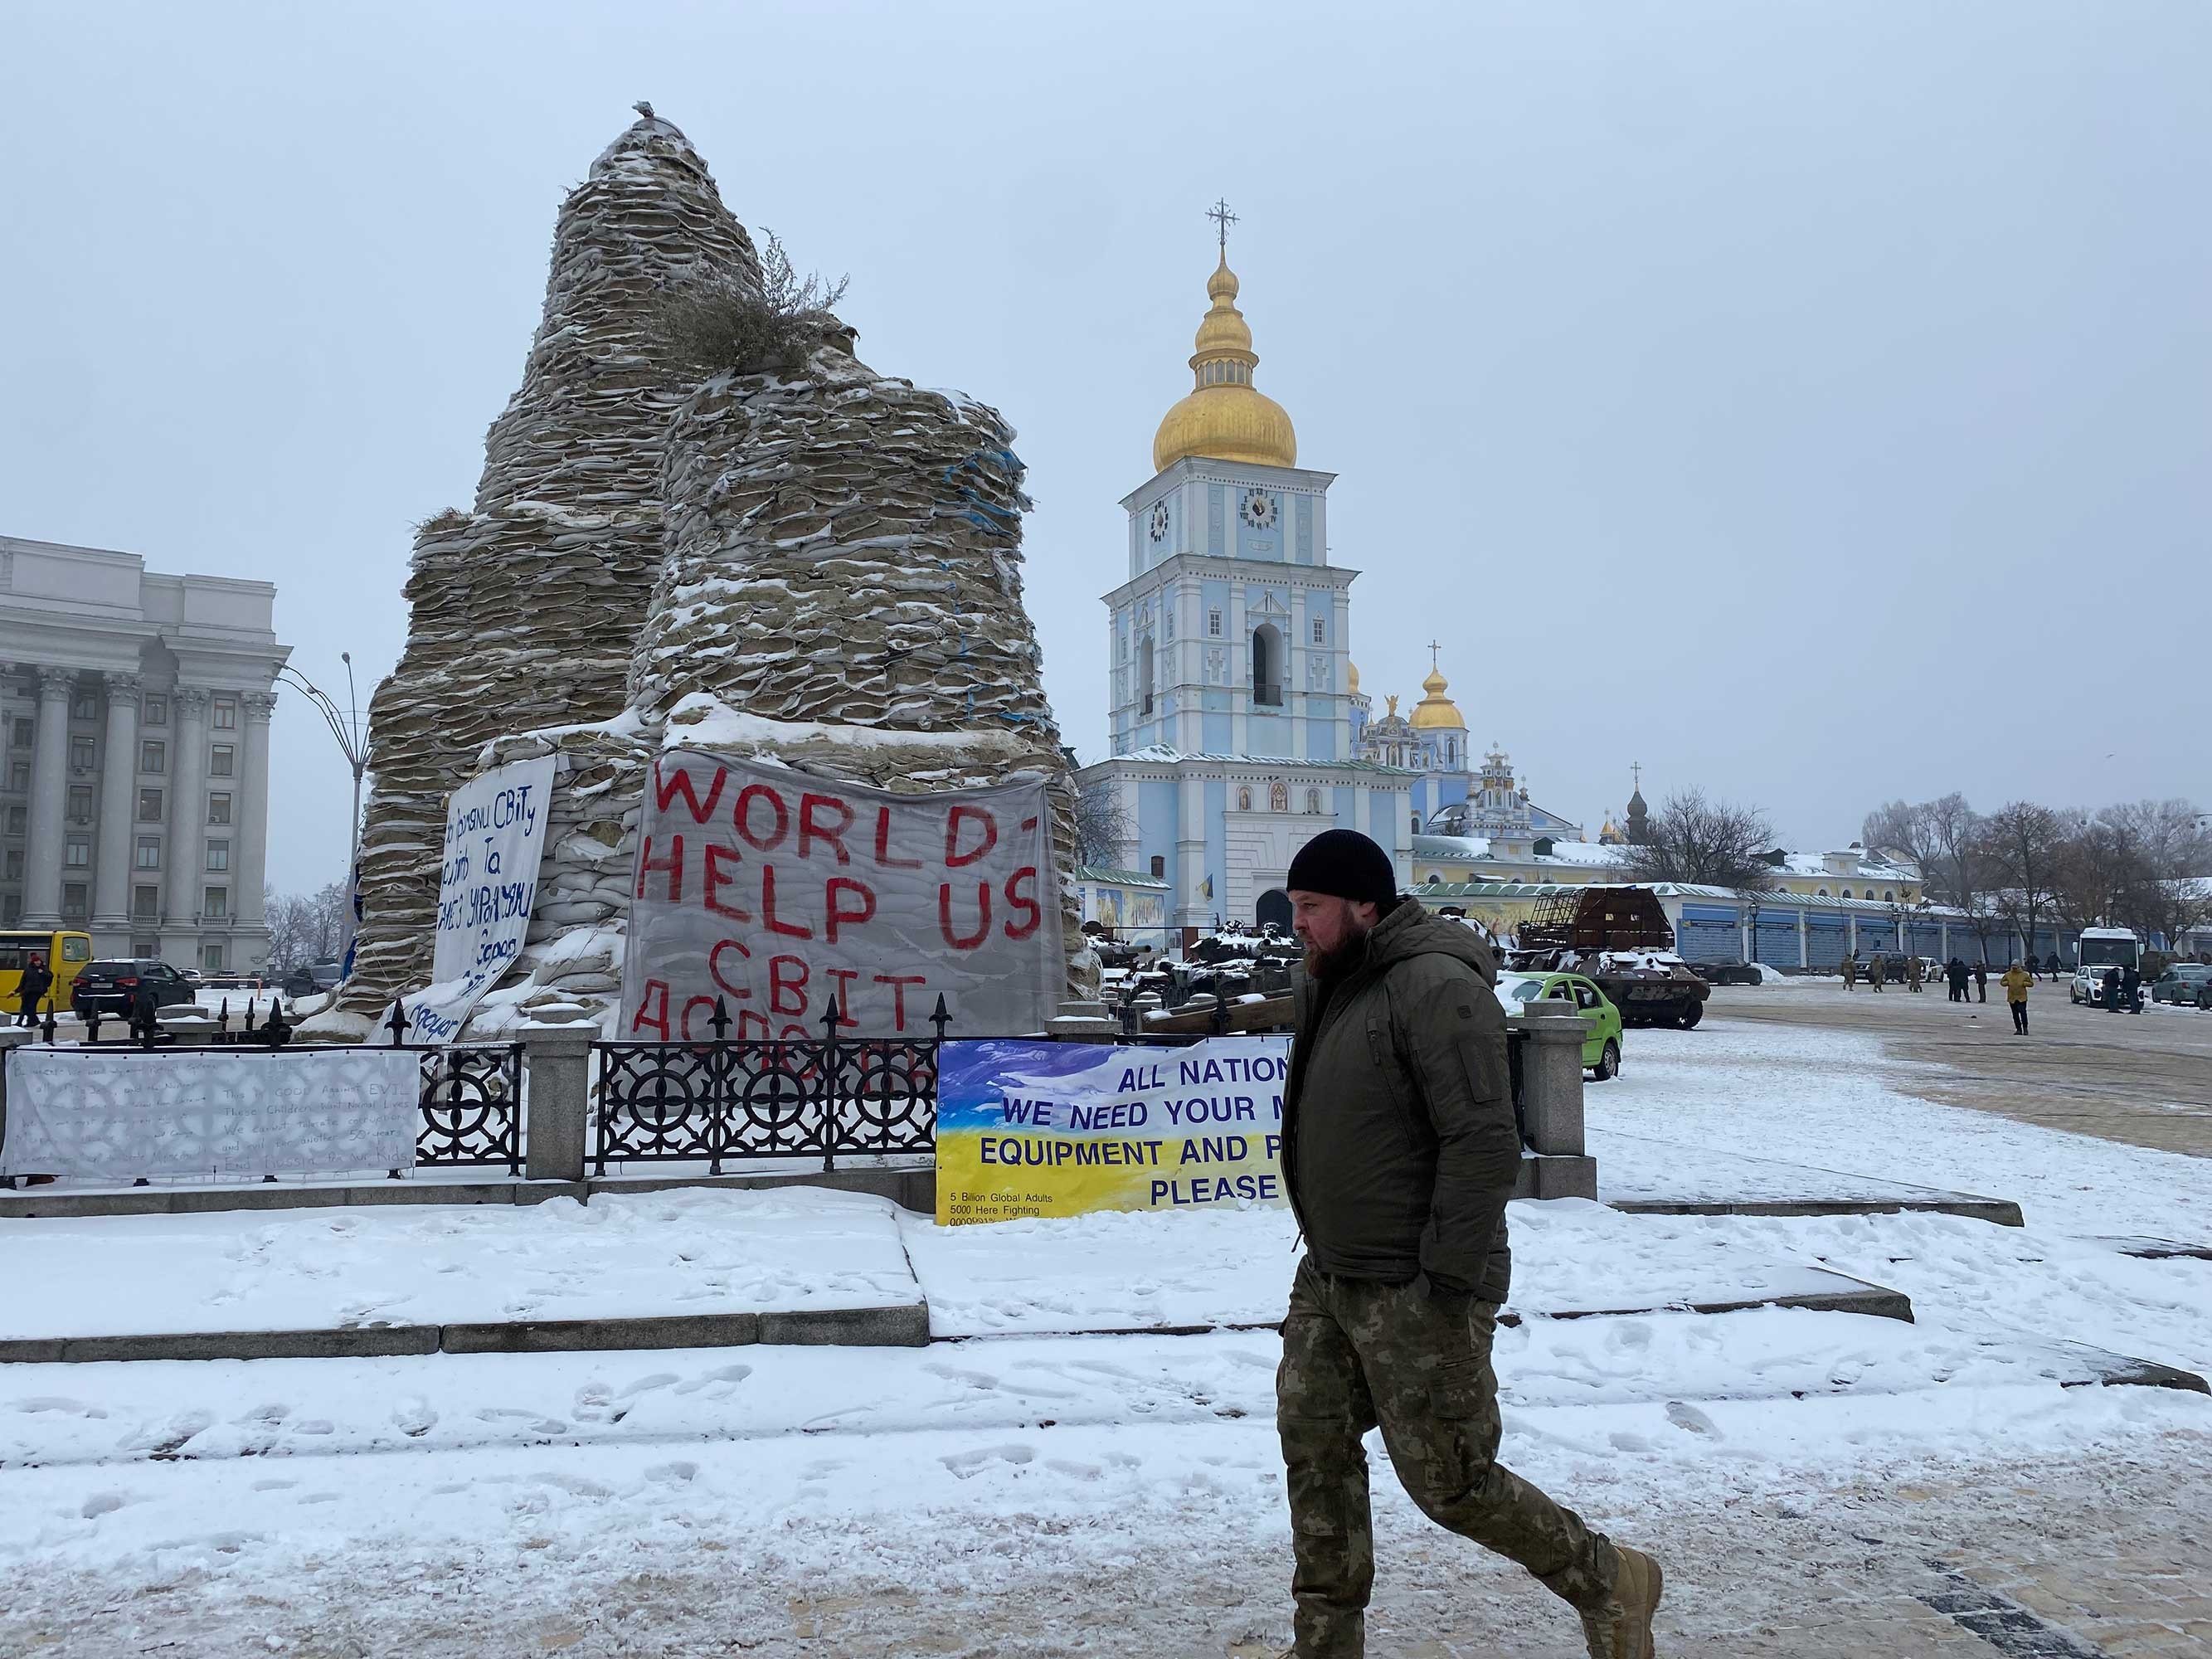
(1019, 1492)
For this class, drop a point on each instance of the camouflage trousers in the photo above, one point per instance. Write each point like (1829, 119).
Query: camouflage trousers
(1357, 1353)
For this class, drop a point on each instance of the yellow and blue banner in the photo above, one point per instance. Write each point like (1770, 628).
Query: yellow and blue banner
(1033, 1129)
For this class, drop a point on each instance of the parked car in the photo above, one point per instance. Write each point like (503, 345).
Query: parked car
(1727, 973)
(2187, 983)
(1601, 1020)
(231, 982)
(111, 986)
(313, 979)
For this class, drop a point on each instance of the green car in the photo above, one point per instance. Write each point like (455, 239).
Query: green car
(1601, 1046)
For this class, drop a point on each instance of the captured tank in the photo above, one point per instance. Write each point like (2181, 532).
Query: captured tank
(1620, 938)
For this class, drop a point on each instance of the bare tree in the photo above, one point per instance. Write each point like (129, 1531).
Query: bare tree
(304, 927)
(725, 323)
(1708, 843)
(2024, 842)
(1901, 827)
(2164, 886)
(1102, 828)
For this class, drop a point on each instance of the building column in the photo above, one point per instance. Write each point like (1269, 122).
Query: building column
(250, 812)
(118, 773)
(1804, 940)
(186, 853)
(42, 881)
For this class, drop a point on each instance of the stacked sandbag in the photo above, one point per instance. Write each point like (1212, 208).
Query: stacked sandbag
(522, 613)
(843, 551)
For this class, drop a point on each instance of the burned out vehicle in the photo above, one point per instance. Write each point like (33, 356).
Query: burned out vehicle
(1620, 938)
(1234, 963)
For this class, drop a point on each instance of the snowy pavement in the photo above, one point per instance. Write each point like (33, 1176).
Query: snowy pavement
(1817, 1482)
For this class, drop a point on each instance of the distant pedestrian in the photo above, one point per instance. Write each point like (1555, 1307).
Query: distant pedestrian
(2110, 986)
(1954, 975)
(2016, 981)
(36, 982)
(2132, 988)
(1877, 969)
(1851, 969)
(1981, 981)
(2057, 968)
(1912, 972)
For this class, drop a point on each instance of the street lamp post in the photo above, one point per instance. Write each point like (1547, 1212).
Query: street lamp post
(353, 742)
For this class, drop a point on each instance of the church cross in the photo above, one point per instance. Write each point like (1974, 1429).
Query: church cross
(1636, 767)
(1433, 648)
(1221, 215)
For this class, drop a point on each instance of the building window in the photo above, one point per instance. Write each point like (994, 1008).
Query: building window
(1321, 630)
(149, 852)
(153, 758)
(1887, 896)
(155, 710)
(218, 809)
(22, 738)
(11, 908)
(149, 806)
(15, 865)
(80, 803)
(84, 705)
(216, 907)
(17, 817)
(220, 760)
(212, 958)
(1213, 624)
(1160, 868)
(145, 945)
(19, 775)
(77, 853)
(1823, 893)
(218, 856)
(225, 714)
(145, 905)
(74, 904)
(1847, 892)
(81, 754)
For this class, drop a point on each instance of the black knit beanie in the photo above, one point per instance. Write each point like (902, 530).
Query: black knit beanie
(1343, 863)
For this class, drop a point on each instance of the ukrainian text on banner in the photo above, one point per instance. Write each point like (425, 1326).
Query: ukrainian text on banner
(117, 1115)
(486, 888)
(1029, 1128)
(778, 892)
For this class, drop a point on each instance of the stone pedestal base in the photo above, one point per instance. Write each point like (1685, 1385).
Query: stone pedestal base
(1557, 1177)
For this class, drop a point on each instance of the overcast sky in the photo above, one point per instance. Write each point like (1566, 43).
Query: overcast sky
(1811, 402)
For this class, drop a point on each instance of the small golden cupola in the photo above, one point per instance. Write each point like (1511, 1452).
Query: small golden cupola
(1437, 712)
(1224, 418)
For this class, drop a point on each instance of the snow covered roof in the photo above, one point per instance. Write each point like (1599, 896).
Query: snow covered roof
(1113, 878)
(1871, 864)
(1460, 849)
(1775, 899)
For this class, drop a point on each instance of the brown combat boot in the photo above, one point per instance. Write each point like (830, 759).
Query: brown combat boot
(1619, 1627)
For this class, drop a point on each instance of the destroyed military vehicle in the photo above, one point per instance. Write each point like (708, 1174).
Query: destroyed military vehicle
(1620, 938)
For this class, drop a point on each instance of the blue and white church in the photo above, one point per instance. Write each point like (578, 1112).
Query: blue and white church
(1235, 713)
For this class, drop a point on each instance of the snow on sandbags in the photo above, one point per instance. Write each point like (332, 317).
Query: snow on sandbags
(522, 613)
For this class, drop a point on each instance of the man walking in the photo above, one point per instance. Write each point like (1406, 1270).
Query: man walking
(2016, 981)
(1876, 968)
(36, 981)
(1913, 973)
(1981, 981)
(1399, 1151)
(1850, 969)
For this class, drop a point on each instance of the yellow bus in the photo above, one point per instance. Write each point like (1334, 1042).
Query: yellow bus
(65, 954)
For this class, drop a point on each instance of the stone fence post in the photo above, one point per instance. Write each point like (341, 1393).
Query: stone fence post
(1551, 1102)
(557, 1093)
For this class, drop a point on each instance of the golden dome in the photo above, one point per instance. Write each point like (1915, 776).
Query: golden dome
(1354, 667)
(1223, 417)
(1437, 712)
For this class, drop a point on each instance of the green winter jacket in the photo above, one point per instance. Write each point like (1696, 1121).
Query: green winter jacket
(1400, 1148)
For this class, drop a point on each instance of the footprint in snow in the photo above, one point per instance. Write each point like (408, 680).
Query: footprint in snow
(1622, 1440)
(55, 1402)
(102, 1503)
(1689, 1417)
(414, 1416)
(966, 1465)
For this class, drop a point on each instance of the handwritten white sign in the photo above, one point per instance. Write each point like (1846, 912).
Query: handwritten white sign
(486, 888)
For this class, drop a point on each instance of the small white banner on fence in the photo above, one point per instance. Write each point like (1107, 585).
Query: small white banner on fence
(486, 888)
(116, 1115)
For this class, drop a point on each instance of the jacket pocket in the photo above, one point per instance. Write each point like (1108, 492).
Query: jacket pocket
(1463, 1428)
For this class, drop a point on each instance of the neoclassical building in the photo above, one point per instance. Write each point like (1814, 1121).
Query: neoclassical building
(1232, 735)
(134, 750)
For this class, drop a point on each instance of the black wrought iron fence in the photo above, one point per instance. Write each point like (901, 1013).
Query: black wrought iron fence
(472, 1107)
(728, 1098)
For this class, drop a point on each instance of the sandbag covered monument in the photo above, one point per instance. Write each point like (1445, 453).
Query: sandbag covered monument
(805, 570)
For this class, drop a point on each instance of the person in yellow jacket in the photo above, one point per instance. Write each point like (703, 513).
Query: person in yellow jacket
(2016, 981)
